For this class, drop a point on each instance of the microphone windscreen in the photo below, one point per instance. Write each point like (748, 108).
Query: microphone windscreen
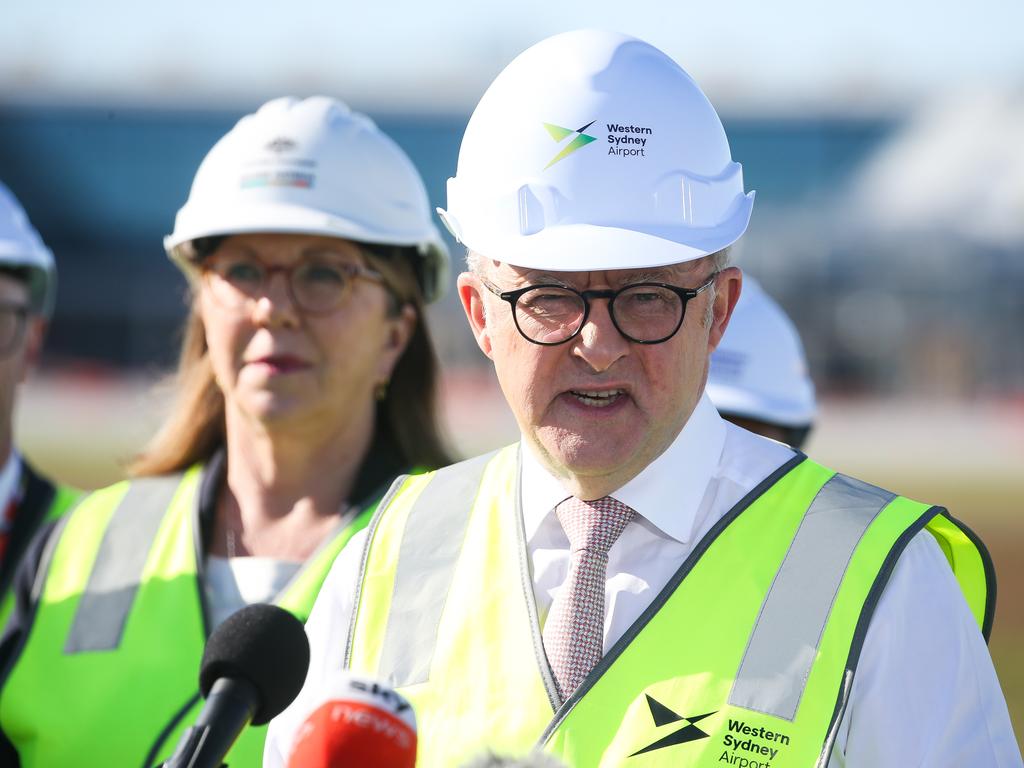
(357, 722)
(265, 646)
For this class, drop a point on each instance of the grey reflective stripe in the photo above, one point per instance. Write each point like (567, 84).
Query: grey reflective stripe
(784, 641)
(39, 582)
(103, 609)
(370, 532)
(431, 542)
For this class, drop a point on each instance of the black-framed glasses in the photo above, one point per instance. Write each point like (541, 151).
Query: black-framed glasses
(316, 286)
(13, 317)
(645, 313)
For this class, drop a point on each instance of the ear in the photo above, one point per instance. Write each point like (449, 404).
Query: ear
(35, 332)
(727, 293)
(399, 333)
(471, 296)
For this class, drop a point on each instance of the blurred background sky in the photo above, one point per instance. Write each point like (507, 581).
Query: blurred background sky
(774, 57)
(886, 142)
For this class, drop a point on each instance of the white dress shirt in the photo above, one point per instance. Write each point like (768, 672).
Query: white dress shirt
(925, 692)
(232, 583)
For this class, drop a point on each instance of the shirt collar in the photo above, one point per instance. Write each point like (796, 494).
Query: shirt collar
(667, 492)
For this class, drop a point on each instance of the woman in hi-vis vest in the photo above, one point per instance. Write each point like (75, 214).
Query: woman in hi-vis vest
(306, 385)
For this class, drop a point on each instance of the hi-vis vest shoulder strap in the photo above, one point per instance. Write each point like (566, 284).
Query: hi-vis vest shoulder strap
(109, 672)
(745, 658)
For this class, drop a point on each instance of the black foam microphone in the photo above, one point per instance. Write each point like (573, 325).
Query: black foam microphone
(253, 667)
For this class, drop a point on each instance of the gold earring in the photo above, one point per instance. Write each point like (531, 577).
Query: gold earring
(380, 392)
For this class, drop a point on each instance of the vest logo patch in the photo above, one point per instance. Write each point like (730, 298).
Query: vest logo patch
(662, 715)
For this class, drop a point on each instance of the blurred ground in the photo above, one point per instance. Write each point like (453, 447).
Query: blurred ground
(968, 457)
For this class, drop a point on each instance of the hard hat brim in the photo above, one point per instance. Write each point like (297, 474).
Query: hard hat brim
(739, 402)
(287, 219)
(42, 268)
(580, 247)
(301, 220)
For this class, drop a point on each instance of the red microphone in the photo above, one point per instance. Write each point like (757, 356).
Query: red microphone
(361, 723)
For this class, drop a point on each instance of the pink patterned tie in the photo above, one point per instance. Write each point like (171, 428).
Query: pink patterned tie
(574, 631)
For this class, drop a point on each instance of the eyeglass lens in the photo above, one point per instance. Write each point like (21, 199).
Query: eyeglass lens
(316, 286)
(642, 312)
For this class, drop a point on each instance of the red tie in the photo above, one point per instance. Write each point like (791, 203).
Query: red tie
(6, 524)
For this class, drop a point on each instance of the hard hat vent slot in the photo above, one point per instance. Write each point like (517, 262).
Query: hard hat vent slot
(531, 212)
(699, 202)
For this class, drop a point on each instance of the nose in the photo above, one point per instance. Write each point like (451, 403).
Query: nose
(599, 343)
(275, 306)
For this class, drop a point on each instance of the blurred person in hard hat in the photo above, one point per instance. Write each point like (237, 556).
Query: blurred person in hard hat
(28, 287)
(306, 384)
(758, 378)
(637, 581)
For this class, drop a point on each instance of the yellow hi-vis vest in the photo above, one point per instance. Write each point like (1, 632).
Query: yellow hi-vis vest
(109, 672)
(746, 658)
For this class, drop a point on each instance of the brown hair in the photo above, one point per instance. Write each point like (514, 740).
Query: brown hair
(405, 417)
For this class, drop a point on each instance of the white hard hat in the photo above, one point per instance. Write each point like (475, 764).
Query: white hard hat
(759, 370)
(593, 150)
(22, 247)
(312, 166)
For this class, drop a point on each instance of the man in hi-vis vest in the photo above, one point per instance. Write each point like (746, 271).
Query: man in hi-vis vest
(637, 582)
(28, 290)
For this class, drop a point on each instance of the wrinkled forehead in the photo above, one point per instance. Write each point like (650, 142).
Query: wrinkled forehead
(681, 273)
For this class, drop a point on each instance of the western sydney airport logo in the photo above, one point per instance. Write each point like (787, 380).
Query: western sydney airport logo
(559, 134)
(623, 140)
(745, 746)
(663, 716)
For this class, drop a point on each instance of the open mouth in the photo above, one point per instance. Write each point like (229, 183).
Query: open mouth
(595, 399)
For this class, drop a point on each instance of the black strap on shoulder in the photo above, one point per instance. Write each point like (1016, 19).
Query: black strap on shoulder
(37, 494)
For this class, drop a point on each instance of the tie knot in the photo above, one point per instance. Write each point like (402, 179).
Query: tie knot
(593, 526)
